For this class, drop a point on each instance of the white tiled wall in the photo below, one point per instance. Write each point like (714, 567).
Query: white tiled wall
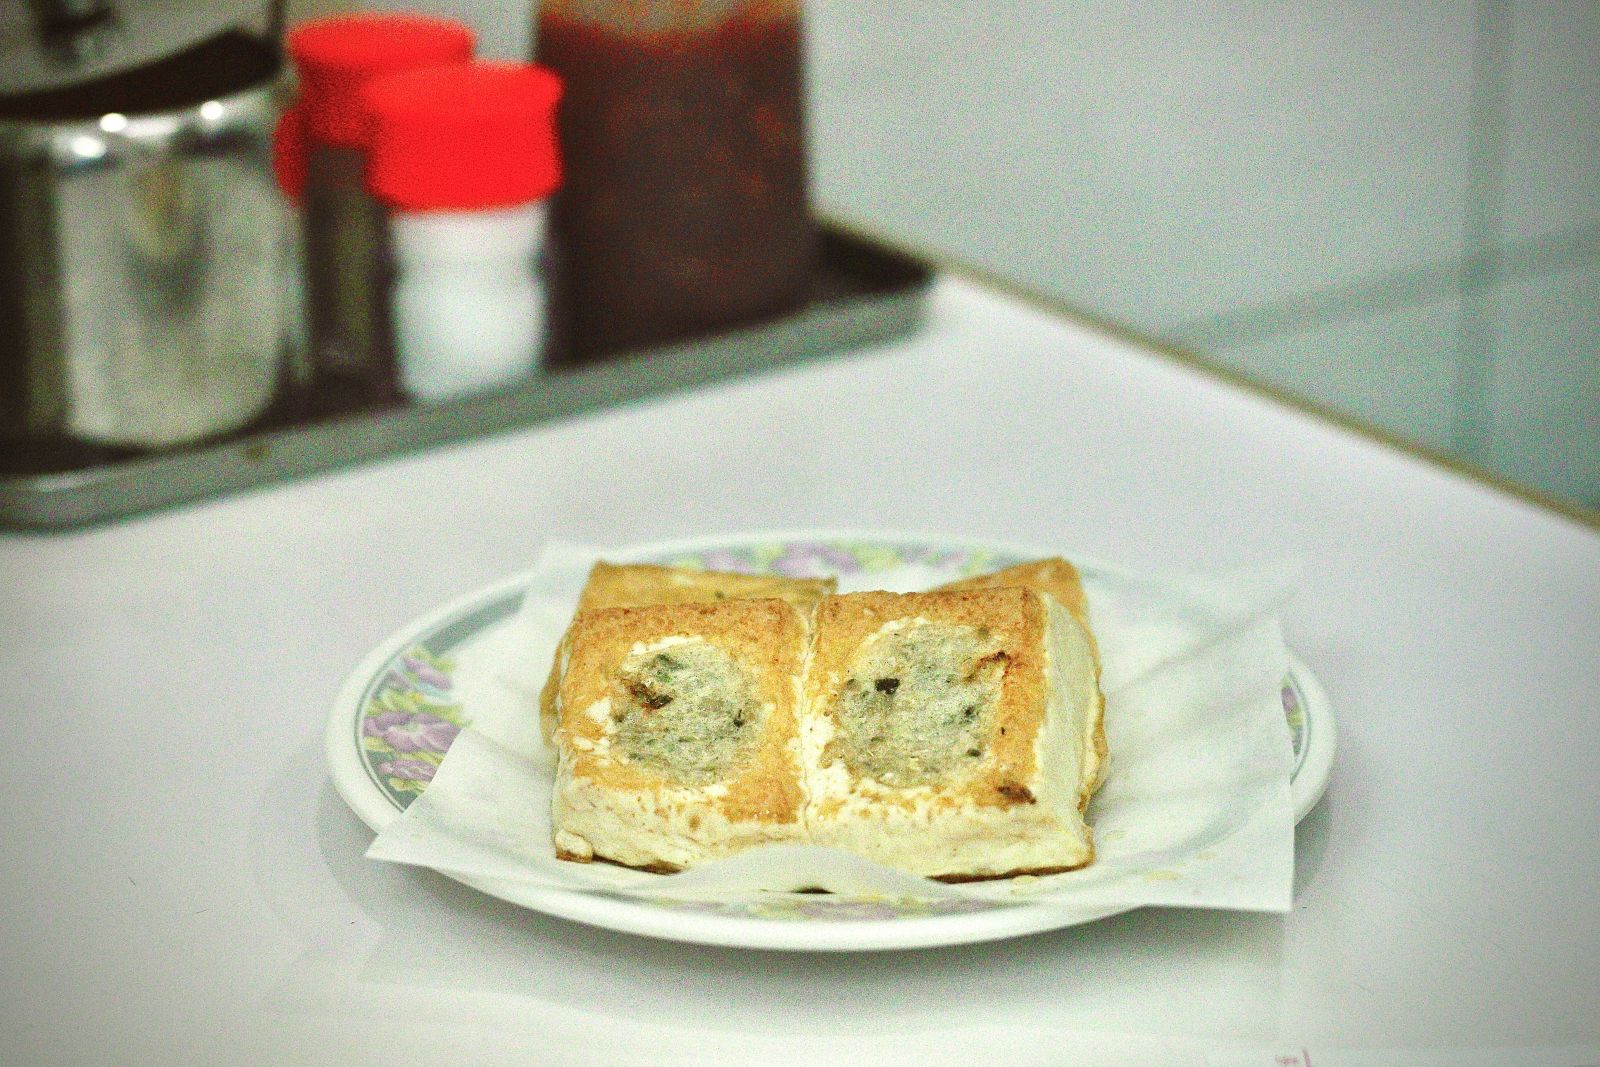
(1361, 202)
(1552, 119)
(1157, 162)
(503, 26)
(1545, 388)
(1397, 369)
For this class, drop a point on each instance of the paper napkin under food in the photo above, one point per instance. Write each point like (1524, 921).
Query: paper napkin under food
(1195, 810)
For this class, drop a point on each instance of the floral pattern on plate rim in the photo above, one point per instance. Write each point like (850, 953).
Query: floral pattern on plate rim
(409, 716)
(409, 719)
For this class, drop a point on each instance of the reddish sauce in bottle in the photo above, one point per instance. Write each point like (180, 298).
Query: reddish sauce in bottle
(684, 208)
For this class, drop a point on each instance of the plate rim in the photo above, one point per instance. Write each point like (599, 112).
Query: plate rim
(616, 912)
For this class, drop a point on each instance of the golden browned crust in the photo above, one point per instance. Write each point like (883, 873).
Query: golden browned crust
(549, 696)
(1061, 580)
(648, 868)
(1014, 615)
(957, 879)
(616, 585)
(672, 869)
(766, 637)
(619, 585)
(1054, 576)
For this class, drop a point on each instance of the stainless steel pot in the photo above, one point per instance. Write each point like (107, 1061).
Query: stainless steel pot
(146, 280)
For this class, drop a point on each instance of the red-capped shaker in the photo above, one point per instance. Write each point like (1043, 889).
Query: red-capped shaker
(320, 162)
(333, 58)
(465, 158)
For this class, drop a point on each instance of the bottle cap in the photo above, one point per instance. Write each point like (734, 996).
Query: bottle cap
(335, 57)
(289, 151)
(466, 137)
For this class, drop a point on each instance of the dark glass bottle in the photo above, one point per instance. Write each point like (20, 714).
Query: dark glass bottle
(685, 204)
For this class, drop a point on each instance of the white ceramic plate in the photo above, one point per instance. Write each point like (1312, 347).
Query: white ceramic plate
(396, 716)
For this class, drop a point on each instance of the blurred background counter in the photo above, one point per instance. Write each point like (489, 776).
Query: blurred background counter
(1386, 212)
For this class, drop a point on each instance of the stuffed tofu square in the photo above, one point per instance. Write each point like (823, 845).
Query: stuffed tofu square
(677, 733)
(616, 585)
(952, 734)
(1059, 579)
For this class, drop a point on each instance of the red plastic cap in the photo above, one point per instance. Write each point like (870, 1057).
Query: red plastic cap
(476, 135)
(335, 57)
(289, 155)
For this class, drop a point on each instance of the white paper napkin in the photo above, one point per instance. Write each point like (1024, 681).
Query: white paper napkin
(1195, 811)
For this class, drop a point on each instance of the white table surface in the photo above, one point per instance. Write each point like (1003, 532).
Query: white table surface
(180, 883)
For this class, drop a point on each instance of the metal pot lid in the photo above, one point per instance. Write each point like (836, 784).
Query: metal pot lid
(54, 45)
(217, 67)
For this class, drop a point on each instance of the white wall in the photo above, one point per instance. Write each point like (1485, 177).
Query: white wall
(1389, 208)
(503, 26)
